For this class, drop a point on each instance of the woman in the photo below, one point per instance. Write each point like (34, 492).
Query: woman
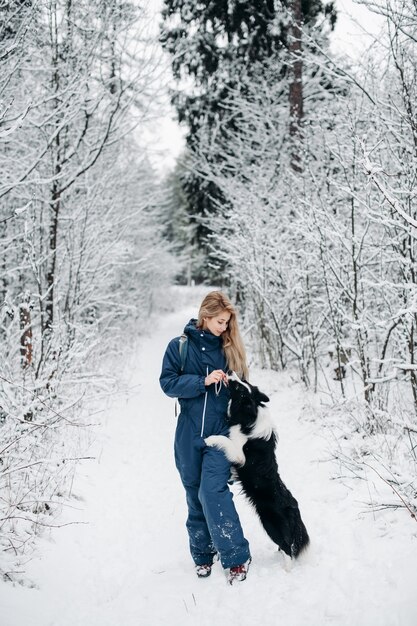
(214, 346)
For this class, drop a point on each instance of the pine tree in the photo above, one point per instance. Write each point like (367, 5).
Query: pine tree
(218, 46)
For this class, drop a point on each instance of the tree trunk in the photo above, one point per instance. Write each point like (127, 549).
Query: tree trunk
(50, 276)
(26, 336)
(296, 84)
(55, 191)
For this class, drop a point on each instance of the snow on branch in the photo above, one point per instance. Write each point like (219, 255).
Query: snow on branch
(398, 367)
(374, 171)
(15, 125)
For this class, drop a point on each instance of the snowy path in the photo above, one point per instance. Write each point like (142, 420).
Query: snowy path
(129, 564)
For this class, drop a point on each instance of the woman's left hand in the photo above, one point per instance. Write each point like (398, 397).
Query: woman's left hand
(215, 377)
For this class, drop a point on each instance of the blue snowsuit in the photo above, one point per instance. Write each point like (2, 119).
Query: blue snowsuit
(213, 524)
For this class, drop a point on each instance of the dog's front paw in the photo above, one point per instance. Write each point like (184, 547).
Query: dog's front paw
(211, 441)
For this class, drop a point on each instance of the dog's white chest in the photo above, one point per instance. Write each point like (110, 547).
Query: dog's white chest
(263, 425)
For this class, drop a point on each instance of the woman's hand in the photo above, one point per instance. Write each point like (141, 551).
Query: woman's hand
(215, 377)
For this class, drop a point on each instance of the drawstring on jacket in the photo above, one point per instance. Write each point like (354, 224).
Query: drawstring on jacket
(217, 389)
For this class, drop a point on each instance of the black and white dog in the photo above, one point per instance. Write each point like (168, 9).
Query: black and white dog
(250, 446)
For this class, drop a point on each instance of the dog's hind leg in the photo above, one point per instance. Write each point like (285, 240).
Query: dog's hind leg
(283, 524)
(232, 446)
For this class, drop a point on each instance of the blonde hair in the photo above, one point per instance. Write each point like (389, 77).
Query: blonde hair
(214, 304)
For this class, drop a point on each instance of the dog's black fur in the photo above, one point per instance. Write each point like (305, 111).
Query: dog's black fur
(275, 505)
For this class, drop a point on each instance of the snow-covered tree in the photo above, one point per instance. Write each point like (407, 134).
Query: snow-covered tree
(218, 49)
(81, 251)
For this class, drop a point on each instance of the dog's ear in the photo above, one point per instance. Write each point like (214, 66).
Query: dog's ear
(261, 397)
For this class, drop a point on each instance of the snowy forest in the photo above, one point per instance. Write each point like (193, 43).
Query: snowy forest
(295, 193)
(81, 241)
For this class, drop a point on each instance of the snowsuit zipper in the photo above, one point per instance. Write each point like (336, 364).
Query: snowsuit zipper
(204, 409)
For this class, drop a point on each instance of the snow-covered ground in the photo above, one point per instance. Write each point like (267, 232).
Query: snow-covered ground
(127, 563)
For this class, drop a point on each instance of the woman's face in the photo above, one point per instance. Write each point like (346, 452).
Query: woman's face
(217, 324)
